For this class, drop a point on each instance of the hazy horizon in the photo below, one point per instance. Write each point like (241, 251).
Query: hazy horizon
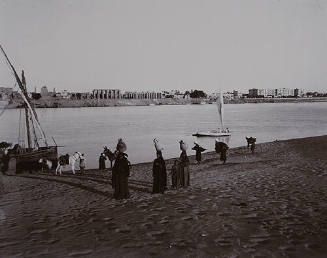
(160, 45)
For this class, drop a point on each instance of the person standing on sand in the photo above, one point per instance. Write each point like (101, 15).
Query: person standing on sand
(223, 154)
(253, 147)
(198, 150)
(82, 163)
(175, 175)
(102, 161)
(221, 148)
(2, 187)
(184, 164)
(121, 172)
(159, 174)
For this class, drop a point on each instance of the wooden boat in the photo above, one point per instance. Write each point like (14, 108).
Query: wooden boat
(21, 156)
(221, 132)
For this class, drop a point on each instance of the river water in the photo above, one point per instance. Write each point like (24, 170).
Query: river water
(89, 129)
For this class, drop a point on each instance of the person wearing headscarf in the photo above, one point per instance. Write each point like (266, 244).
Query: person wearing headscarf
(198, 150)
(184, 164)
(253, 147)
(221, 148)
(175, 175)
(121, 172)
(102, 161)
(159, 174)
(82, 163)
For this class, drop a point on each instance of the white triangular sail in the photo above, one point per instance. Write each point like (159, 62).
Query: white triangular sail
(220, 105)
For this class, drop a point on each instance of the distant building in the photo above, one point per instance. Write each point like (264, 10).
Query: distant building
(80, 95)
(299, 93)
(44, 92)
(236, 94)
(142, 95)
(106, 94)
(284, 92)
(6, 93)
(266, 93)
(274, 93)
(253, 93)
(175, 94)
(228, 95)
(63, 94)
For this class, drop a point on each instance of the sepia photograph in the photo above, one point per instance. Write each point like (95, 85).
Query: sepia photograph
(163, 128)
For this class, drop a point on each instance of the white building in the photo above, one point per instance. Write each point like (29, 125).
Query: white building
(266, 93)
(284, 92)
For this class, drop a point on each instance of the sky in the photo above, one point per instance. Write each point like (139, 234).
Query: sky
(168, 44)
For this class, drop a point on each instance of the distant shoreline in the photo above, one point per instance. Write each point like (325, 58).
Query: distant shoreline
(67, 103)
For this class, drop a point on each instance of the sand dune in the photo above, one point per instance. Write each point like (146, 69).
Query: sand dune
(269, 204)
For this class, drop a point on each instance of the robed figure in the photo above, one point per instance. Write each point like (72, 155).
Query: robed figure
(102, 161)
(184, 167)
(176, 175)
(221, 148)
(198, 150)
(159, 174)
(121, 172)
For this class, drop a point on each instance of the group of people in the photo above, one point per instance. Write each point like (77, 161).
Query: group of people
(180, 175)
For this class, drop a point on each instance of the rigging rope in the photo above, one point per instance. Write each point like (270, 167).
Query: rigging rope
(4, 109)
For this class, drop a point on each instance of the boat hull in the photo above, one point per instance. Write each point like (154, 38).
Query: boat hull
(19, 161)
(212, 134)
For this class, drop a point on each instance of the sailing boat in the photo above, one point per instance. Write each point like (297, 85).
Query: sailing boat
(221, 131)
(37, 146)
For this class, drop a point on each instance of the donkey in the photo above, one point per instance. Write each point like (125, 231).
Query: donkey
(111, 155)
(67, 160)
(250, 141)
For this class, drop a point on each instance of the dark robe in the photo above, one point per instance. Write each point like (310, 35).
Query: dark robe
(184, 164)
(252, 147)
(159, 175)
(198, 150)
(120, 172)
(223, 155)
(174, 176)
(102, 162)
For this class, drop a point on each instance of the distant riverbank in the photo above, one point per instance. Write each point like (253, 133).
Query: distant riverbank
(68, 103)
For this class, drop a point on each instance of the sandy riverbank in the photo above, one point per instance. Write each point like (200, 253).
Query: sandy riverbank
(269, 204)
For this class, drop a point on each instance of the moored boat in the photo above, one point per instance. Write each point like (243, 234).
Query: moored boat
(33, 145)
(220, 132)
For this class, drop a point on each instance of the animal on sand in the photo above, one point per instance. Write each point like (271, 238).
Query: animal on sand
(46, 164)
(111, 155)
(250, 140)
(67, 159)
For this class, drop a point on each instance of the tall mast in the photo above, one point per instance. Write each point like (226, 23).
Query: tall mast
(220, 105)
(25, 97)
(27, 118)
(222, 109)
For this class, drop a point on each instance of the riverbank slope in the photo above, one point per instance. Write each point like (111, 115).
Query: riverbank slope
(268, 204)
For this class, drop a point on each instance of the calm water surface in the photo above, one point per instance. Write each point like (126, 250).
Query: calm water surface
(89, 129)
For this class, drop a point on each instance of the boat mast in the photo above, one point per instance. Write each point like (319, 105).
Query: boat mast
(222, 109)
(25, 97)
(27, 118)
(220, 103)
